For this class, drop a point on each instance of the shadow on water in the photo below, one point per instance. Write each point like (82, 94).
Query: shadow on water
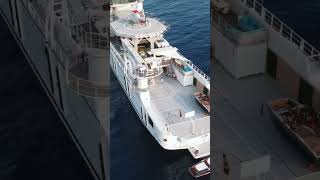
(33, 142)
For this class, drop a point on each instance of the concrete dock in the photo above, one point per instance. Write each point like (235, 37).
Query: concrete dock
(244, 130)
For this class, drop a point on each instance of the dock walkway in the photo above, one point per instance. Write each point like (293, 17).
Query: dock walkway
(243, 133)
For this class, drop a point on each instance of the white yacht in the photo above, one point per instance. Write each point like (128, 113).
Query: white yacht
(169, 93)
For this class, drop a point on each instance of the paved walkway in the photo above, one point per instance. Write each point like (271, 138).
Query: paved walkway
(243, 133)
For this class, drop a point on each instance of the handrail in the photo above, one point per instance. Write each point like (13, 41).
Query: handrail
(113, 49)
(194, 67)
(78, 84)
(89, 39)
(285, 31)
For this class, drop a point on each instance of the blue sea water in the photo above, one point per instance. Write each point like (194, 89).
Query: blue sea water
(135, 154)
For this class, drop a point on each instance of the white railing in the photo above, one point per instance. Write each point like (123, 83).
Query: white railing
(117, 55)
(285, 31)
(81, 86)
(195, 68)
(88, 88)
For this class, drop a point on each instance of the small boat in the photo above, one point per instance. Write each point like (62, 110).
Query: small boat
(200, 169)
(300, 122)
(203, 100)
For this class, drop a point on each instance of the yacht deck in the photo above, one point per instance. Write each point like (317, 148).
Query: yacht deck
(170, 98)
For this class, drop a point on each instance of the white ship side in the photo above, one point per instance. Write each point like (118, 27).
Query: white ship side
(162, 85)
(70, 61)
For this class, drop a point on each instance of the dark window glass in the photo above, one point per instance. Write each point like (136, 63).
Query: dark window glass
(205, 91)
(194, 81)
(305, 92)
(272, 62)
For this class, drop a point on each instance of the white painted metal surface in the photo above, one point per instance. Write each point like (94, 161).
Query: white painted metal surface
(158, 81)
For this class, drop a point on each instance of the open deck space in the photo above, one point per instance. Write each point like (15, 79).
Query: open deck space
(170, 97)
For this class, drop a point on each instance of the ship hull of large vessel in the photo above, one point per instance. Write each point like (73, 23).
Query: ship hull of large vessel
(74, 110)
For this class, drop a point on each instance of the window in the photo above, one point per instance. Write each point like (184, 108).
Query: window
(194, 81)
(272, 62)
(305, 92)
(205, 91)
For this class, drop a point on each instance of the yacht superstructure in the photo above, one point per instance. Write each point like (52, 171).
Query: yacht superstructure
(166, 89)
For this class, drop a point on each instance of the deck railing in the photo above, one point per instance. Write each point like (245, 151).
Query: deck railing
(195, 68)
(80, 85)
(89, 39)
(88, 88)
(284, 30)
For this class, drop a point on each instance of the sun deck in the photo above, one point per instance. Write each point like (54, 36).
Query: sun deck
(173, 100)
